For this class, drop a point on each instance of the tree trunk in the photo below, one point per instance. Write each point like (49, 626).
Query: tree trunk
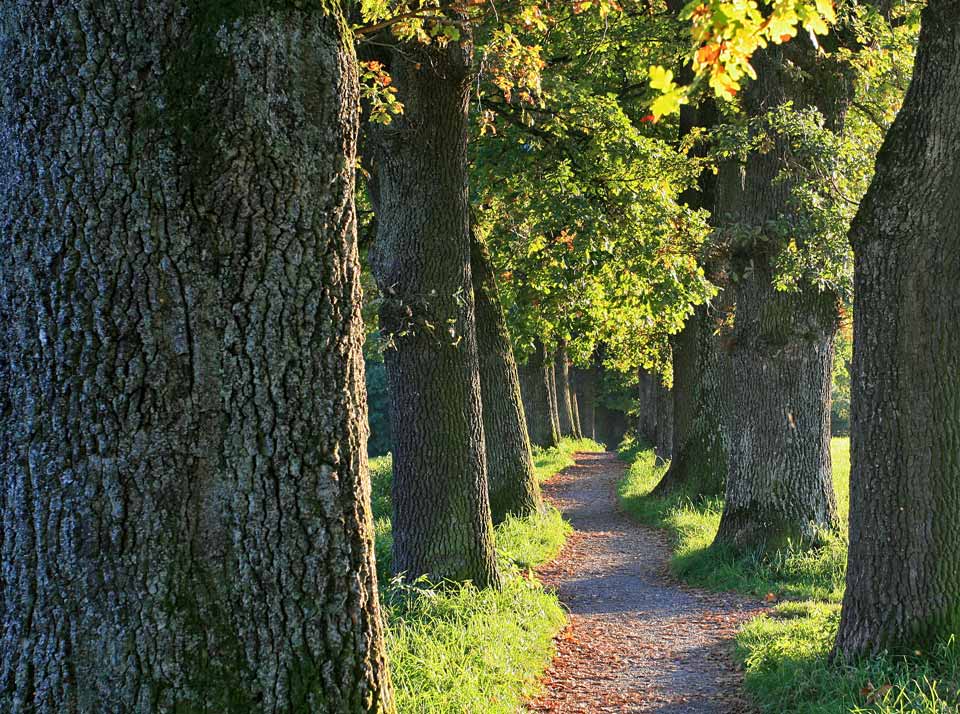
(586, 398)
(512, 483)
(903, 573)
(182, 423)
(779, 484)
(535, 380)
(564, 403)
(552, 390)
(699, 460)
(575, 408)
(647, 398)
(664, 444)
(421, 260)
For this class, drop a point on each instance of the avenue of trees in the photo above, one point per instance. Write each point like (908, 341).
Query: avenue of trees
(534, 222)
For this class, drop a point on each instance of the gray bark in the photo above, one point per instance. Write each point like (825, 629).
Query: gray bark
(512, 482)
(779, 484)
(442, 526)
(903, 573)
(185, 510)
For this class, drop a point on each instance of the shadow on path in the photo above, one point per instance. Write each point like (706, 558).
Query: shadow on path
(638, 641)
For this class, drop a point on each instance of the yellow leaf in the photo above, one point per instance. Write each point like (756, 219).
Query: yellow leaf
(826, 10)
(668, 103)
(661, 79)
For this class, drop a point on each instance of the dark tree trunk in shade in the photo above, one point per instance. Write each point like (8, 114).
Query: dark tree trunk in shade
(442, 526)
(663, 446)
(779, 483)
(554, 399)
(585, 381)
(564, 402)
(647, 399)
(511, 480)
(182, 419)
(535, 380)
(903, 572)
(700, 443)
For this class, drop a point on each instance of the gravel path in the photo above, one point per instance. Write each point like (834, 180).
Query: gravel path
(638, 641)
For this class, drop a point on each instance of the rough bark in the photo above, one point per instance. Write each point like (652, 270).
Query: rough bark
(182, 423)
(442, 527)
(586, 397)
(512, 483)
(535, 380)
(699, 460)
(647, 399)
(562, 386)
(779, 484)
(663, 446)
(903, 573)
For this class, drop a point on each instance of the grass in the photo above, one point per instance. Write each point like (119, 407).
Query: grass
(457, 649)
(785, 653)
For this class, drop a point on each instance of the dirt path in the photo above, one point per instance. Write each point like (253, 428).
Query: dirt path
(638, 641)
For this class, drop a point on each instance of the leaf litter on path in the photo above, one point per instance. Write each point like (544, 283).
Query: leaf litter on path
(637, 641)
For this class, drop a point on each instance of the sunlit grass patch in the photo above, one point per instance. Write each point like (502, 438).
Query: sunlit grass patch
(457, 649)
(787, 654)
(468, 650)
(547, 462)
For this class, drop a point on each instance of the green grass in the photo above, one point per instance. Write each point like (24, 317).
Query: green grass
(547, 462)
(786, 652)
(457, 649)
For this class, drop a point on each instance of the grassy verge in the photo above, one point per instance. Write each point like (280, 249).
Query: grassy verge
(785, 652)
(458, 649)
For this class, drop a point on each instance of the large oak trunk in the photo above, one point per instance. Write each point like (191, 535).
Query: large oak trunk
(779, 484)
(512, 483)
(535, 380)
(699, 460)
(903, 573)
(421, 260)
(182, 418)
